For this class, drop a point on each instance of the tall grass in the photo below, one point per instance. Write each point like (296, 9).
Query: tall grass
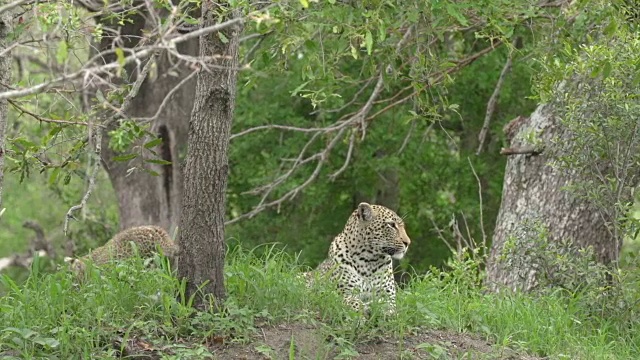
(50, 315)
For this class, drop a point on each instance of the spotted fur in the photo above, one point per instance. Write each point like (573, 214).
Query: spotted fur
(360, 259)
(147, 241)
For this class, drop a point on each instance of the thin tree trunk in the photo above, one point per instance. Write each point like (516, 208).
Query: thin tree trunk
(201, 234)
(534, 190)
(5, 77)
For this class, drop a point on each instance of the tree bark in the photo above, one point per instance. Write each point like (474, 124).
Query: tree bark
(5, 78)
(535, 190)
(144, 199)
(201, 235)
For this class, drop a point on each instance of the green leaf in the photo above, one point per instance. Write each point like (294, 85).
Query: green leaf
(54, 176)
(452, 10)
(304, 3)
(354, 52)
(120, 56)
(151, 172)
(606, 69)
(126, 157)
(63, 52)
(299, 88)
(223, 38)
(368, 40)
(382, 31)
(158, 161)
(24, 142)
(153, 143)
(611, 28)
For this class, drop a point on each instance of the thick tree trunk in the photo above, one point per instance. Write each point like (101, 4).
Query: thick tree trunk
(5, 76)
(201, 234)
(534, 190)
(144, 199)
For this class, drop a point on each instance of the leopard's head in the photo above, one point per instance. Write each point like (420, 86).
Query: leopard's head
(382, 230)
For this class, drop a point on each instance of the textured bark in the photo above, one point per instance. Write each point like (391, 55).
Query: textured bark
(144, 199)
(5, 76)
(201, 237)
(534, 190)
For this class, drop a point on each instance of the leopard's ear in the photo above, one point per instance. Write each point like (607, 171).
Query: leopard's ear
(365, 212)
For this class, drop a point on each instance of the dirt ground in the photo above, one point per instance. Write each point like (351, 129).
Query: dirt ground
(309, 342)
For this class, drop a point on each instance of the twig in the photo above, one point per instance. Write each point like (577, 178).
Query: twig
(352, 140)
(361, 116)
(165, 101)
(407, 137)
(44, 119)
(491, 105)
(92, 182)
(524, 150)
(480, 206)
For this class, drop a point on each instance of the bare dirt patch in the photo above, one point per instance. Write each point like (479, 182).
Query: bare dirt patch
(303, 341)
(309, 342)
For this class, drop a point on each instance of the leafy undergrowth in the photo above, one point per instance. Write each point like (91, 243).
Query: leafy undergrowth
(130, 310)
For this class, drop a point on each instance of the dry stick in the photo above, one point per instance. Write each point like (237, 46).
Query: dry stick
(524, 150)
(491, 105)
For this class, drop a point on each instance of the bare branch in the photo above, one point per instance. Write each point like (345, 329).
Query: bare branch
(322, 158)
(166, 99)
(406, 138)
(352, 141)
(136, 56)
(361, 116)
(491, 105)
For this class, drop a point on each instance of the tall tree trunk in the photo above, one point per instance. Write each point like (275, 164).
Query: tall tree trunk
(535, 190)
(201, 235)
(5, 76)
(145, 199)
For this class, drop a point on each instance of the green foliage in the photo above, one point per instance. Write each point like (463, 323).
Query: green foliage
(592, 81)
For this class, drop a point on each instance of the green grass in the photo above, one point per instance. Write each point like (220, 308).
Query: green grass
(50, 317)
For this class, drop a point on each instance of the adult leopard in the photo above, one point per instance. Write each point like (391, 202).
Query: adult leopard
(360, 259)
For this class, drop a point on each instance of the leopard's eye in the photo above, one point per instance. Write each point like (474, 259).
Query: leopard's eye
(392, 225)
